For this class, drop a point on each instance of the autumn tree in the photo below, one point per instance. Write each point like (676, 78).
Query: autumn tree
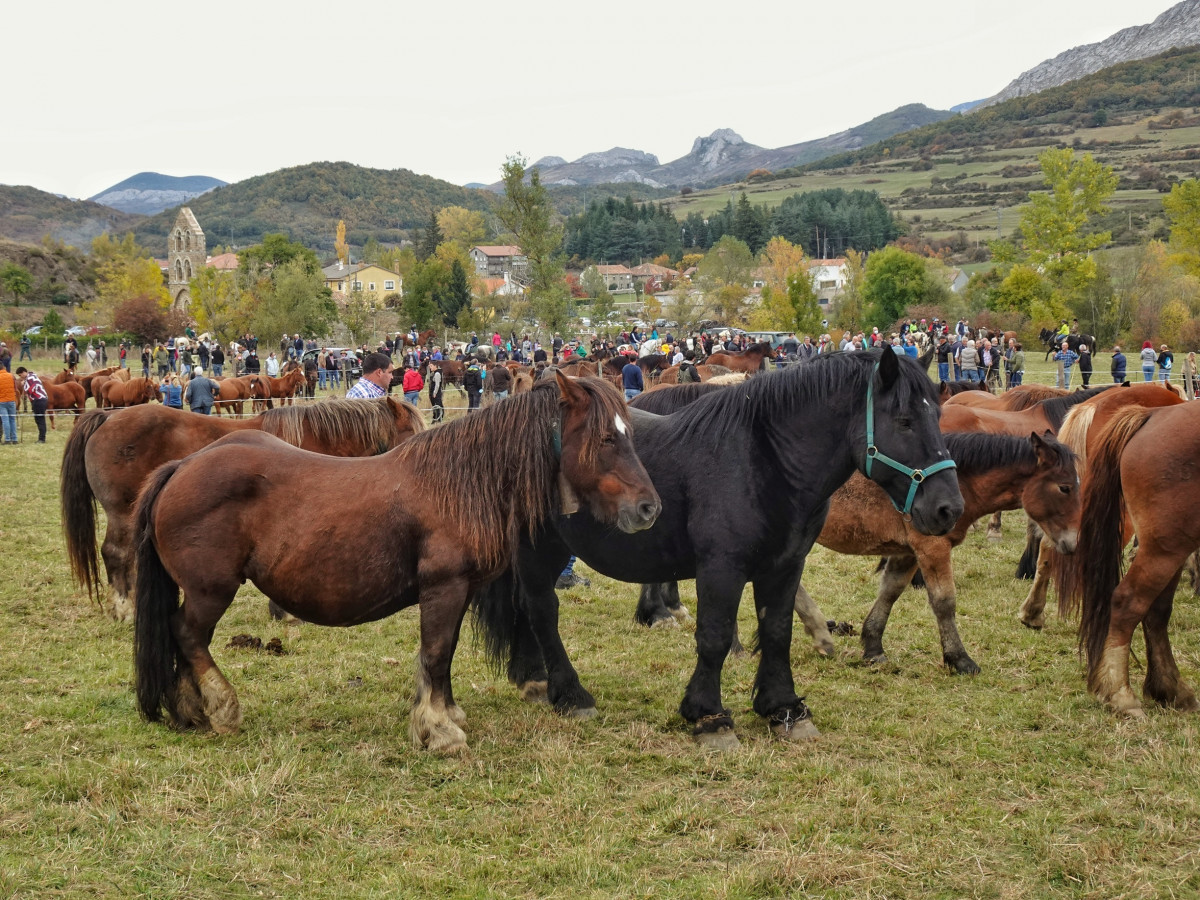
(851, 308)
(893, 281)
(143, 317)
(294, 300)
(217, 303)
(526, 212)
(465, 227)
(725, 275)
(16, 280)
(356, 314)
(1182, 207)
(340, 245)
(123, 271)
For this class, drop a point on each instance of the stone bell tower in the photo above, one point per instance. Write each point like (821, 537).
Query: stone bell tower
(186, 255)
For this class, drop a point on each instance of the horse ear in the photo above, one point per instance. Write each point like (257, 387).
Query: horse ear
(571, 392)
(1045, 456)
(889, 367)
(943, 393)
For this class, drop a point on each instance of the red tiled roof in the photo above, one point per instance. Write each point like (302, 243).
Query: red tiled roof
(225, 262)
(613, 270)
(499, 250)
(651, 269)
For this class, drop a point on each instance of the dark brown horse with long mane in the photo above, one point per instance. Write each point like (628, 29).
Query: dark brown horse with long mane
(1142, 471)
(453, 506)
(112, 453)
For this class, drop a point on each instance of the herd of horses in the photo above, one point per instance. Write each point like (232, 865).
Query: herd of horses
(116, 387)
(729, 486)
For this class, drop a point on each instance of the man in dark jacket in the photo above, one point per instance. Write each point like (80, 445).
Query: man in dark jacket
(1118, 365)
(473, 384)
(436, 384)
(631, 380)
(201, 392)
(252, 364)
(501, 380)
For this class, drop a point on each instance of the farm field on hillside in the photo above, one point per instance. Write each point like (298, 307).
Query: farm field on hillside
(1013, 783)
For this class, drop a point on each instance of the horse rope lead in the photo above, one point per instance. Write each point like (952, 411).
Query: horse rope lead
(917, 476)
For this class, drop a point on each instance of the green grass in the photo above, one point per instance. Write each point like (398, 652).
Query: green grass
(1014, 783)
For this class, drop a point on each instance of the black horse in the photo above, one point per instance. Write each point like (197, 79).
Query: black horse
(1074, 341)
(745, 477)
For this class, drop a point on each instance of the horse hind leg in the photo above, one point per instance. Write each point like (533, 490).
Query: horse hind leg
(203, 696)
(939, 584)
(897, 573)
(814, 622)
(995, 530)
(1163, 684)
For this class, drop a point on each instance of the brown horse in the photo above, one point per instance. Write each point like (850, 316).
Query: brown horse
(1018, 398)
(704, 370)
(115, 394)
(423, 339)
(66, 397)
(283, 388)
(995, 472)
(1141, 468)
(1080, 431)
(751, 360)
(111, 454)
(455, 507)
(232, 393)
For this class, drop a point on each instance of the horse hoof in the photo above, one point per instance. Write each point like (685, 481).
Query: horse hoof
(1033, 624)
(1132, 712)
(664, 623)
(995, 535)
(723, 740)
(583, 712)
(824, 648)
(535, 692)
(804, 730)
(965, 666)
(875, 659)
(681, 614)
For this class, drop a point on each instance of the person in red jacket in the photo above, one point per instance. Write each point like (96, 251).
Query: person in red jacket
(412, 384)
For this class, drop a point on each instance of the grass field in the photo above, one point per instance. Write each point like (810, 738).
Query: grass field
(1013, 783)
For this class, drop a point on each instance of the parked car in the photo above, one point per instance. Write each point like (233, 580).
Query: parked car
(349, 356)
(75, 331)
(35, 330)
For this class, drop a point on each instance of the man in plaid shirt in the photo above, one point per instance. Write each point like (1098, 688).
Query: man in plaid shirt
(36, 392)
(376, 378)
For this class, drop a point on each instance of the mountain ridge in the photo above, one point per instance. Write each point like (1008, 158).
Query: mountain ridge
(149, 193)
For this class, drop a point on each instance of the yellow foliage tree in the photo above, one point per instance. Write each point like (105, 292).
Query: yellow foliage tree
(340, 245)
(124, 271)
(465, 227)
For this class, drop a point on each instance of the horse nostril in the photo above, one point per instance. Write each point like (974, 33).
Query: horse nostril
(647, 509)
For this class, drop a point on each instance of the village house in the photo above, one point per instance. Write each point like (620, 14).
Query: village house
(828, 277)
(618, 278)
(374, 281)
(493, 261)
(653, 275)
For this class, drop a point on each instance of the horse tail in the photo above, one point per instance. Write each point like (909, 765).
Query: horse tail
(78, 503)
(1101, 537)
(494, 609)
(155, 652)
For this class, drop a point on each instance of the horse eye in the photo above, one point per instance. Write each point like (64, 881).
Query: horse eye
(609, 440)
(1065, 488)
(903, 422)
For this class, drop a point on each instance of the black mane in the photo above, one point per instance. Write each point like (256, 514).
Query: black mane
(974, 453)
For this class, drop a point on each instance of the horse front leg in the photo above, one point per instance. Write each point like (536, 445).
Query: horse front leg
(436, 721)
(652, 607)
(897, 573)
(718, 593)
(934, 560)
(539, 570)
(1033, 610)
(995, 529)
(774, 690)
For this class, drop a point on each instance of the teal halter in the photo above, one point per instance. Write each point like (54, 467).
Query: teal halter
(917, 476)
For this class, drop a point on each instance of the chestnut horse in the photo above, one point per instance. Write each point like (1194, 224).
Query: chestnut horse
(1080, 430)
(112, 453)
(115, 394)
(1141, 469)
(232, 393)
(752, 359)
(423, 339)
(455, 505)
(283, 388)
(69, 396)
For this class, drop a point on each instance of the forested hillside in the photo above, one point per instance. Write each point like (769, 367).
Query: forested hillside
(306, 203)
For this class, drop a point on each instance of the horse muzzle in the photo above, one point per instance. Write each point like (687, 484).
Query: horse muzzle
(639, 516)
(1066, 542)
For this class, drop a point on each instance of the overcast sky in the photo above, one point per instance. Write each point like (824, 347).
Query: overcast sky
(450, 89)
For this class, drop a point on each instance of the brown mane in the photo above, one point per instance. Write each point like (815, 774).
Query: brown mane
(1030, 395)
(370, 423)
(469, 481)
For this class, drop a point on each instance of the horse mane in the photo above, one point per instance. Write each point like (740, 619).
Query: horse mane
(470, 479)
(664, 399)
(370, 423)
(974, 453)
(1056, 408)
(727, 378)
(1025, 397)
(1073, 432)
(780, 399)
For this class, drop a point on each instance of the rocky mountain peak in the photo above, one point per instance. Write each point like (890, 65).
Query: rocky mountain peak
(1179, 26)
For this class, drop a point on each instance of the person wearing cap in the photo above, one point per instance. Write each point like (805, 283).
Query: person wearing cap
(1118, 364)
(201, 392)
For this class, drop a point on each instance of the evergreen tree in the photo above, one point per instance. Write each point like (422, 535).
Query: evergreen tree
(432, 236)
(456, 296)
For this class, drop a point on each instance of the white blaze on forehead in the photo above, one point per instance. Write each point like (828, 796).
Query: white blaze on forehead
(620, 423)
